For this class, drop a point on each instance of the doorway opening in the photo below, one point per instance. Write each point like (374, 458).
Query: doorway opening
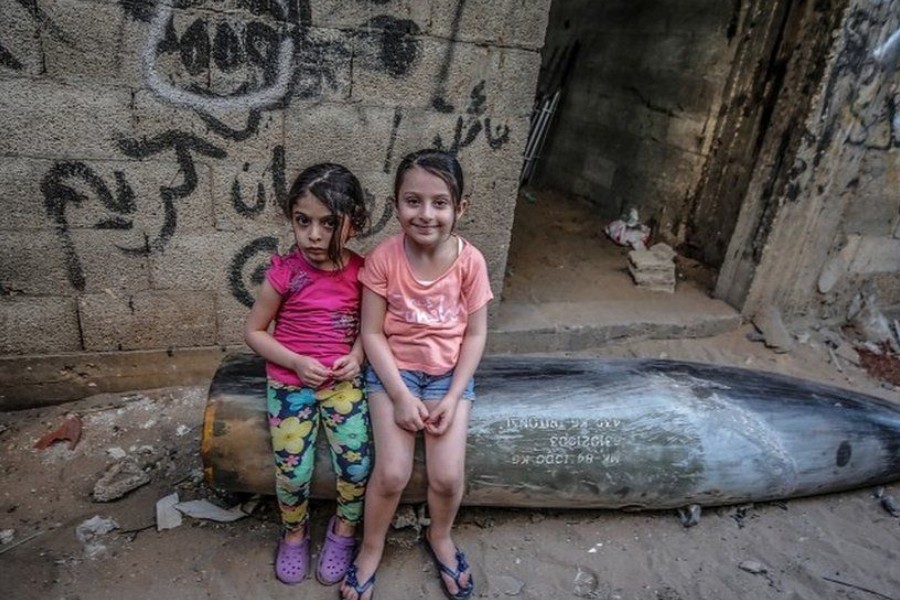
(674, 111)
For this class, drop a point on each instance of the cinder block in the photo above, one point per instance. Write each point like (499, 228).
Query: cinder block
(38, 325)
(241, 56)
(210, 261)
(21, 198)
(359, 137)
(439, 74)
(144, 320)
(238, 133)
(128, 196)
(21, 39)
(108, 260)
(520, 23)
(491, 207)
(322, 68)
(81, 40)
(245, 195)
(512, 82)
(230, 318)
(392, 16)
(500, 152)
(33, 262)
(52, 120)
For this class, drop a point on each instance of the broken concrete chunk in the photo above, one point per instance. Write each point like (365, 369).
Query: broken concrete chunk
(119, 479)
(768, 320)
(654, 268)
(869, 322)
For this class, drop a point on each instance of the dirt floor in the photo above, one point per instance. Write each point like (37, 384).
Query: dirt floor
(836, 546)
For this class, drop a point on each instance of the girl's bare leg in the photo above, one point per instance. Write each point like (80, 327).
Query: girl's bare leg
(394, 448)
(445, 460)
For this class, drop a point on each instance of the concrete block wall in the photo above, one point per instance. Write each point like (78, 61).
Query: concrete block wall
(835, 224)
(636, 114)
(146, 144)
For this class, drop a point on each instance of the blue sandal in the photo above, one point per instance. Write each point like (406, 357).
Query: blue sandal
(462, 565)
(351, 579)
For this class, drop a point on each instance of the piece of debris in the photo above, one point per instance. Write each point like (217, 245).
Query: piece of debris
(586, 583)
(690, 515)
(182, 430)
(119, 479)
(653, 269)
(751, 566)
(847, 353)
(3, 428)
(70, 430)
(167, 516)
(628, 231)
(867, 320)
(204, 509)
(890, 504)
(776, 336)
(89, 532)
(7, 535)
(116, 453)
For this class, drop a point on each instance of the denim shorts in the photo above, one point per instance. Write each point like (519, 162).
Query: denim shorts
(422, 385)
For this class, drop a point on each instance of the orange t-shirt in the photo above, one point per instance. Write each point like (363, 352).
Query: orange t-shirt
(425, 321)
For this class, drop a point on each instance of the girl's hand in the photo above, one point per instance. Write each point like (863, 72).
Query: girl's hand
(346, 368)
(410, 414)
(441, 416)
(312, 372)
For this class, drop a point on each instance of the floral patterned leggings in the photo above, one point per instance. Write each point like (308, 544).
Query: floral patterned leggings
(294, 416)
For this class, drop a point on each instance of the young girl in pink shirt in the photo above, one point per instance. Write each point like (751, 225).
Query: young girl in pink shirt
(313, 359)
(424, 326)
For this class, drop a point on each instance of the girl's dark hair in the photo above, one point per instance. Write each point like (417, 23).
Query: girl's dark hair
(437, 162)
(339, 190)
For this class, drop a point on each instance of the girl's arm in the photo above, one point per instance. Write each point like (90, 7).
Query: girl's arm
(470, 353)
(256, 334)
(409, 412)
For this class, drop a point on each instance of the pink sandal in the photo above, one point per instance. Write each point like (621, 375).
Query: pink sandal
(292, 562)
(337, 553)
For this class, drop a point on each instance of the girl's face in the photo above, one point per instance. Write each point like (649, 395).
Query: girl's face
(425, 208)
(314, 226)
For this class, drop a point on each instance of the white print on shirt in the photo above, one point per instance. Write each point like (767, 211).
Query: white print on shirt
(427, 311)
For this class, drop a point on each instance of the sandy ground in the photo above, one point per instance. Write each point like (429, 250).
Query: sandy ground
(836, 546)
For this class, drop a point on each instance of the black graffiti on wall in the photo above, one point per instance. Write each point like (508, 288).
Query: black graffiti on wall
(43, 22)
(473, 123)
(249, 51)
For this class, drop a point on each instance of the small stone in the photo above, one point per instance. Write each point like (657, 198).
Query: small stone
(116, 452)
(751, 566)
(7, 535)
(777, 337)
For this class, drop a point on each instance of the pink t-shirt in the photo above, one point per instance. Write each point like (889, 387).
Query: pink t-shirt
(319, 313)
(426, 321)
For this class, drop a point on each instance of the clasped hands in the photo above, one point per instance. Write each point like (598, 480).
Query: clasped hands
(314, 374)
(413, 415)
